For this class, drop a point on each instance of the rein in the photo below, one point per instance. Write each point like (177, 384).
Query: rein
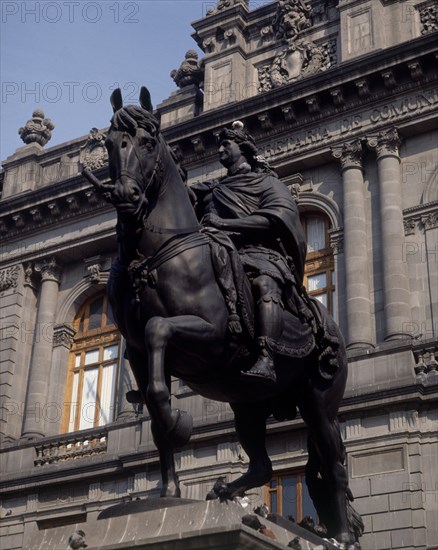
(144, 270)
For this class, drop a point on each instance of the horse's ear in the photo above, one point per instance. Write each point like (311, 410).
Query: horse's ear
(145, 99)
(116, 100)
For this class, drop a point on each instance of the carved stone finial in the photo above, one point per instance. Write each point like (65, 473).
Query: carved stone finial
(93, 154)
(191, 71)
(38, 129)
(77, 540)
(225, 4)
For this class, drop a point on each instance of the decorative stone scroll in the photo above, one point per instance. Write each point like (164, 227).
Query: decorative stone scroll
(93, 154)
(350, 155)
(385, 143)
(38, 129)
(9, 278)
(297, 57)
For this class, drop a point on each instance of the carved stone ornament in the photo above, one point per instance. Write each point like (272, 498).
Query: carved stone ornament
(50, 270)
(93, 154)
(9, 278)
(409, 226)
(191, 71)
(385, 143)
(350, 155)
(225, 4)
(297, 56)
(336, 241)
(429, 19)
(430, 221)
(38, 129)
(94, 267)
(63, 336)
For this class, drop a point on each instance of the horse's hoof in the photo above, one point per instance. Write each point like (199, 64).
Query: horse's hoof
(172, 493)
(180, 434)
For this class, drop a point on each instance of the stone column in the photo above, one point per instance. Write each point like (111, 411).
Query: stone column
(395, 276)
(54, 409)
(127, 383)
(357, 289)
(37, 389)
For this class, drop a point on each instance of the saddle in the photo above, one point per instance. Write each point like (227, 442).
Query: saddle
(308, 326)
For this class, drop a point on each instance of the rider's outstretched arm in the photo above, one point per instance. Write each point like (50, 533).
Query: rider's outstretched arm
(250, 223)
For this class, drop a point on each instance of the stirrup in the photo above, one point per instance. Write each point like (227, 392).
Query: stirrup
(264, 366)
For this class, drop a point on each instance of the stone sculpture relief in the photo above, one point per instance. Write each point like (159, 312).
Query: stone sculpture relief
(191, 71)
(429, 19)
(297, 57)
(93, 154)
(38, 129)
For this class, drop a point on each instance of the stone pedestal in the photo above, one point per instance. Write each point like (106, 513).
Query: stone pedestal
(173, 524)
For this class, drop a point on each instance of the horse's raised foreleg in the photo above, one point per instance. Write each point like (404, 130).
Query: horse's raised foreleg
(175, 425)
(250, 423)
(169, 478)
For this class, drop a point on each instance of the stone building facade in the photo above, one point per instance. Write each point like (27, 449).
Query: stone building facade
(342, 100)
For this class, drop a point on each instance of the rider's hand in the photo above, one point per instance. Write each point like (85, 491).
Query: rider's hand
(212, 220)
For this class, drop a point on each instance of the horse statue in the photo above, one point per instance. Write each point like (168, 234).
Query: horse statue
(168, 305)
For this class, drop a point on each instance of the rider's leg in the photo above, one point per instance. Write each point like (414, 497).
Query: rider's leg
(269, 324)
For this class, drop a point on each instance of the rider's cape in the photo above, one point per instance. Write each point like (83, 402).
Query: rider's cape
(262, 194)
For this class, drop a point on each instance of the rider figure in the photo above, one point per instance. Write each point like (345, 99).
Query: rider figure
(257, 209)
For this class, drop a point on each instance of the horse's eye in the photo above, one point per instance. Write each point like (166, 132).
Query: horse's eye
(147, 144)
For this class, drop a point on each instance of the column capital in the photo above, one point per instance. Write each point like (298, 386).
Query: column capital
(386, 143)
(50, 270)
(63, 336)
(349, 155)
(336, 237)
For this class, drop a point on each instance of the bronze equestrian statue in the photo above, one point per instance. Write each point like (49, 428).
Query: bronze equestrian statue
(182, 295)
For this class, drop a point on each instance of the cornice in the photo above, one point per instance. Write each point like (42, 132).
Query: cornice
(301, 111)
(63, 201)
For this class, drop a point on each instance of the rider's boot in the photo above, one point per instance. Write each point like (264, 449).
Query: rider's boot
(264, 366)
(270, 321)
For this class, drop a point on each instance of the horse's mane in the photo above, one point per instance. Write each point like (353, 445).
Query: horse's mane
(131, 117)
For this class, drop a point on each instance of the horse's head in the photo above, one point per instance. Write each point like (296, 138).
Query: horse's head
(133, 145)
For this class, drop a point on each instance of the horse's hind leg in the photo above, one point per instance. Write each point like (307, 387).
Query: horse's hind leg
(250, 423)
(328, 486)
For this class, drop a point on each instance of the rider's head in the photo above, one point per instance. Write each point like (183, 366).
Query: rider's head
(245, 141)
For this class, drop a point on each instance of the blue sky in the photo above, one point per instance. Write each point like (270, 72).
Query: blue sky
(66, 56)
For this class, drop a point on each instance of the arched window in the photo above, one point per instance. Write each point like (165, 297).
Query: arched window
(93, 367)
(319, 276)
